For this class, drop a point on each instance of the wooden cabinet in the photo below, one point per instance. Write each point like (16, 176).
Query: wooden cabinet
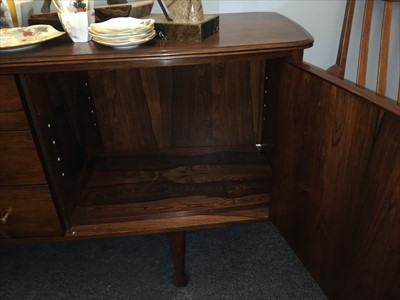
(165, 137)
(152, 150)
(26, 206)
(169, 137)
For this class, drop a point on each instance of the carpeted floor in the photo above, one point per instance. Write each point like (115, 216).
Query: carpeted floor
(240, 262)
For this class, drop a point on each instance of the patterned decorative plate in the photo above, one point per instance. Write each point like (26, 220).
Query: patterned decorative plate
(26, 37)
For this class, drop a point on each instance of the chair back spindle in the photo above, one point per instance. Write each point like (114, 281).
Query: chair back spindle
(339, 69)
(364, 44)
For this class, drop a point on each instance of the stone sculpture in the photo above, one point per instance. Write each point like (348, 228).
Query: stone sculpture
(185, 11)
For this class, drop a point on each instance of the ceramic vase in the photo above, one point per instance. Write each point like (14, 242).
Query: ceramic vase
(75, 17)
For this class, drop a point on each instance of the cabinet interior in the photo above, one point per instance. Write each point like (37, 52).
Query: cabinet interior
(133, 146)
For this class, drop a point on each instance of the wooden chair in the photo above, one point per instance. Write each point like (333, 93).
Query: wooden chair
(339, 68)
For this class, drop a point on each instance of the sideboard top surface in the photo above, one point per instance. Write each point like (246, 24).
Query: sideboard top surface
(239, 34)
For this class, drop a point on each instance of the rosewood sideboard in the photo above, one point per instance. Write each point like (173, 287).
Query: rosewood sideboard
(173, 136)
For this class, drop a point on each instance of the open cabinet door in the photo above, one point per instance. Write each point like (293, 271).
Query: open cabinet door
(336, 195)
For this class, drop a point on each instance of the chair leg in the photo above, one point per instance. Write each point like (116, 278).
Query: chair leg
(177, 247)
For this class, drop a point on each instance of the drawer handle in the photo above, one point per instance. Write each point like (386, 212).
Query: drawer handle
(3, 220)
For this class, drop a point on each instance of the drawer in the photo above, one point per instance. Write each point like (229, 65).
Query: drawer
(19, 161)
(12, 115)
(28, 212)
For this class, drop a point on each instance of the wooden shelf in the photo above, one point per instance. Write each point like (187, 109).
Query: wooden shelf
(149, 192)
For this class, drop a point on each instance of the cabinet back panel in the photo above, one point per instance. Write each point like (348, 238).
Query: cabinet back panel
(190, 106)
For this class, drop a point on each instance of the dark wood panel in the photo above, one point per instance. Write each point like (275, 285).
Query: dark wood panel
(122, 110)
(158, 225)
(326, 137)
(166, 208)
(28, 212)
(374, 271)
(165, 186)
(178, 157)
(19, 161)
(158, 92)
(270, 100)
(130, 191)
(12, 115)
(206, 105)
(64, 119)
(368, 95)
(183, 152)
(217, 104)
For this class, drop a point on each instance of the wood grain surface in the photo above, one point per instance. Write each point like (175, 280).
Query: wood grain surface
(149, 144)
(190, 106)
(12, 115)
(64, 120)
(26, 212)
(150, 187)
(19, 161)
(244, 35)
(337, 181)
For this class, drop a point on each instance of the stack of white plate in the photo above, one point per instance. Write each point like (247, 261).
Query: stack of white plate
(123, 32)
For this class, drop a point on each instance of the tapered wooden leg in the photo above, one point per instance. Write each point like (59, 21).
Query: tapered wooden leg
(177, 246)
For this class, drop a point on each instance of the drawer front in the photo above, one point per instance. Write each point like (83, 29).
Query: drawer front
(19, 161)
(28, 212)
(12, 115)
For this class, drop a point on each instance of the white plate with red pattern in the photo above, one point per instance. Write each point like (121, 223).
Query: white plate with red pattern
(26, 37)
